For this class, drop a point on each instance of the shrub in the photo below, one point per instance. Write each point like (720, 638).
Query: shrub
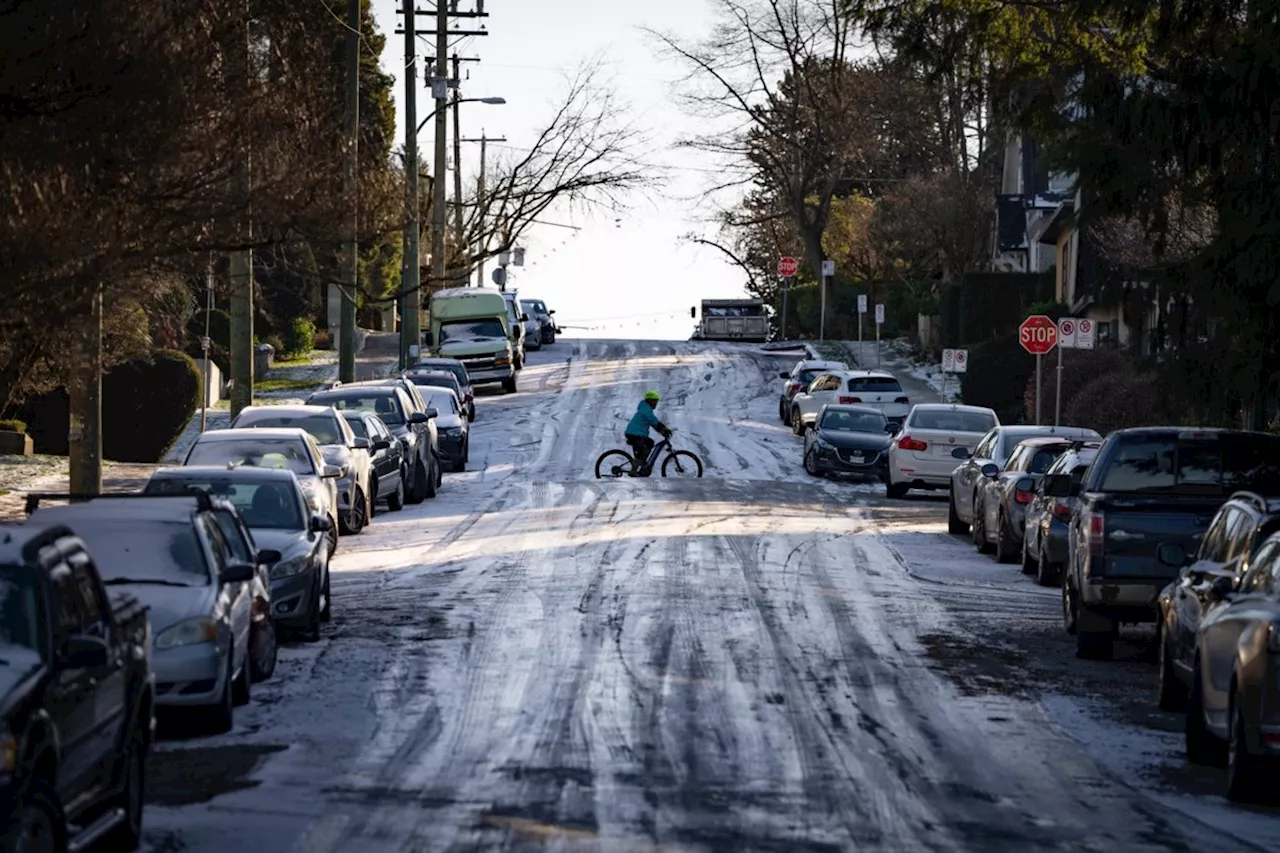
(276, 342)
(1115, 401)
(299, 337)
(323, 339)
(47, 417)
(13, 425)
(1079, 367)
(997, 377)
(146, 404)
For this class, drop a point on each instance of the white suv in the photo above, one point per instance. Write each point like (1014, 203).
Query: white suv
(799, 378)
(873, 388)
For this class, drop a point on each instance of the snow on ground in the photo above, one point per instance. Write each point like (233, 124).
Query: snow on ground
(540, 660)
(19, 473)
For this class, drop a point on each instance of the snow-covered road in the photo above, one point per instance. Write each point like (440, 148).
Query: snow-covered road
(540, 660)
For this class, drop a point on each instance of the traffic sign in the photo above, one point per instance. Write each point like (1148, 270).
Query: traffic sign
(787, 267)
(828, 268)
(1067, 333)
(948, 361)
(1086, 333)
(961, 361)
(1038, 334)
(499, 276)
(862, 303)
(879, 313)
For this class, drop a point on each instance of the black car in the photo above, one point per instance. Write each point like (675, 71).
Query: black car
(386, 457)
(77, 695)
(848, 440)
(459, 371)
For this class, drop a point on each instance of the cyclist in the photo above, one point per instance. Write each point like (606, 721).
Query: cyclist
(637, 434)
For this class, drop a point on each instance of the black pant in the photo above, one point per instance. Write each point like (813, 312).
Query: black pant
(641, 446)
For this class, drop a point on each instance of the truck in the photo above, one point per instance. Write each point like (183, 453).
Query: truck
(77, 697)
(734, 320)
(1149, 486)
(471, 324)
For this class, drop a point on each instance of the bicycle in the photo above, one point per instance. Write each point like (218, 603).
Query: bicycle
(624, 465)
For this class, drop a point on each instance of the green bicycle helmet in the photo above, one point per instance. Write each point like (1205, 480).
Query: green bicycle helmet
(652, 396)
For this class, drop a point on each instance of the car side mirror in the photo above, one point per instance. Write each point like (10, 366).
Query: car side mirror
(320, 524)
(1222, 588)
(1055, 485)
(432, 413)
(1172, 554)
(84, 652)
(360, 444)
(267, 556)
(238, 573)
(991, 470)
(331, 472)
(418, 418)
(524, 318)
(380, 444)
(1025, 484)
(551, 312)
(960, 453)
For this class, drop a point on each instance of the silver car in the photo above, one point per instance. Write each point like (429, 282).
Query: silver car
(275, 510)
(292, 449)
(1006, 494)
(338, 444)
(171, 554)
(532, 326)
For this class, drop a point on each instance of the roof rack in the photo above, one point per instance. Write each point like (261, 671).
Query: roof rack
(34, 498)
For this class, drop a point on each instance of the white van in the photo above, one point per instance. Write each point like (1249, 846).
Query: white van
(471, 324)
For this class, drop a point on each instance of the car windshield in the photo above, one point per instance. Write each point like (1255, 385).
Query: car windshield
(1195, 465)
(436, 380)
(809, 374)
(269, 506)
(20, 629)
(471, 330)
(269, 453)
(945, 420)
(844, 421)
(382, 404)
(459, 371)
(1043, 459)
(442, 403)
(322, 428)
(145, 551)
(874, 384)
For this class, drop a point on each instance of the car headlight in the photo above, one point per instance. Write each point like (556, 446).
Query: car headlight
(188, 632)
(501, 361)
(288, 568)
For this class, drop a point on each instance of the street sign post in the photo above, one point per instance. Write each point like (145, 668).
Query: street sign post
(788, 267)
(828, 270)
(879, 321)
(1067, 330)
(1038, 335)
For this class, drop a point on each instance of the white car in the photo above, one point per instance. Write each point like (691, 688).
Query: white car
(873, 388)
(799, 378)
(922, 453)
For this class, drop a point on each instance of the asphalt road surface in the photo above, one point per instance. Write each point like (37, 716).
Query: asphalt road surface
(537, 660)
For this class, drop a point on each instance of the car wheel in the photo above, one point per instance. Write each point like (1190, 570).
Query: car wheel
(1029, 564)
(797, 422)
(896, 491)
(37, 822)
(1171, 693)
(1070, 619)
(439, 473)
(326, 609)
(265, 651)
(418, 494)
(979, 529)
(782, 411)
(127, 835)
(241, 689)
(1200, 744)
(811, 464)
(1047, 573)
(356, 515)
(1247, 778)
(1004, 547)
(221, 717)
(954, 524)
(432, 477)
(395, 500)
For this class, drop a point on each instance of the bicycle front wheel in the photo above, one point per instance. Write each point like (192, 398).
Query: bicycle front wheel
(682, 463)
(614, 463)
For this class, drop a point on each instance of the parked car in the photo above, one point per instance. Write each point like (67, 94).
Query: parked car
(1044, 539)
(77, 695)
(292, 449)
(980, 479)
(800, 377)
(459, 371)
(274, 509)
(986, 460)
(849, 388)
(921, 455)
(419, 405)
(1233, 706)
(532, 326)
(425, 380)
(386, 458)
(452, 426)
(406, 421)
(339, 446)
(1148, 486)
(171, 553)
(544, 317)
(848, 440)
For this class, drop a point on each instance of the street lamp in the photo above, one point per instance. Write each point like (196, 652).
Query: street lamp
(423, 123)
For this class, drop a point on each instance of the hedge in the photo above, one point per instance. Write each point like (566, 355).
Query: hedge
(1079, 368)
(146, 404)
(1116, 401)
(985, 306)
(299, 337)
(997, 377)
(12, 425)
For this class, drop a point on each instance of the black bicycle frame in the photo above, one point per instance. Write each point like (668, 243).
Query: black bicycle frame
(656, 452)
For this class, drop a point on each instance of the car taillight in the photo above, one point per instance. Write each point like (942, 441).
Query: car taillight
(793, 387)
(1062, 509)
(909, 443)
(901, 400)
(1097, 527)
(1023, 497)
(850, 399)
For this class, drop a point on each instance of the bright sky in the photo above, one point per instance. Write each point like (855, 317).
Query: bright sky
(637, 269)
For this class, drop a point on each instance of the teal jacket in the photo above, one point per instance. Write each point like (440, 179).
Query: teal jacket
(642, 420)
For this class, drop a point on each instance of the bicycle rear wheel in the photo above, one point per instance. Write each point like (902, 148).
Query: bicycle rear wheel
(614, 463)
(682, 463)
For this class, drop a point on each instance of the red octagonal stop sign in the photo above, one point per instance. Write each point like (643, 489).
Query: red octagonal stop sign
(1038, 334)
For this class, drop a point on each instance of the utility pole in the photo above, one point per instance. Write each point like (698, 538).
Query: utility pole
(347, 318)
(241, 266)
(480, 202)
(411, 284)
(84, 395)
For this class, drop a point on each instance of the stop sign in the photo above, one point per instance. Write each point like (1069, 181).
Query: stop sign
(1038, 334)
(787, 267)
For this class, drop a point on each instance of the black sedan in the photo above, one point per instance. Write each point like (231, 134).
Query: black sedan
(848, 440)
